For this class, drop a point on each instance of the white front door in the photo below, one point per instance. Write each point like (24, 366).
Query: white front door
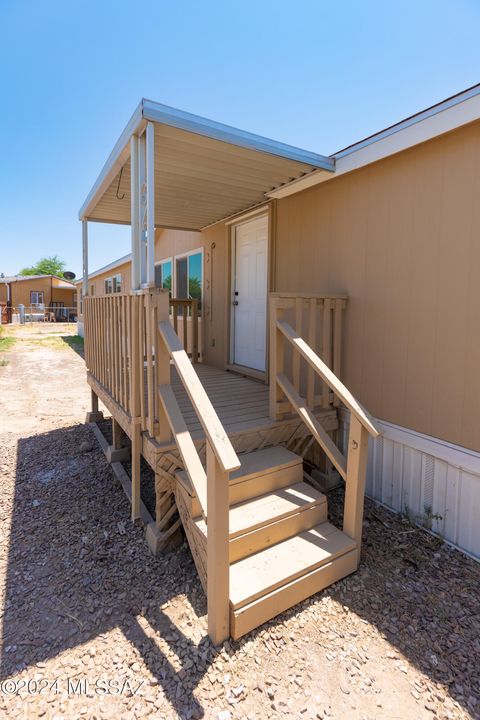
(250, 293)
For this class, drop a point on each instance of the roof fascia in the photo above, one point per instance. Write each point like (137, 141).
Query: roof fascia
(156, 112)
(433, 122)
(115, 161)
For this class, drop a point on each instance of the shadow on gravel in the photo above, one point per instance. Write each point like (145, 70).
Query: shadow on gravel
(78, 568)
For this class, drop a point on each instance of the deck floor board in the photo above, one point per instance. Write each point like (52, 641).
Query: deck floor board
(234, 397)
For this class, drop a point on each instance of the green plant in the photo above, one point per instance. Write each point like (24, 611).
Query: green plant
(45, 266)
(6, 343)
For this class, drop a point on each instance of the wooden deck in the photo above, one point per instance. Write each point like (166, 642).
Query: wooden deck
(240, 402)
(242, 405)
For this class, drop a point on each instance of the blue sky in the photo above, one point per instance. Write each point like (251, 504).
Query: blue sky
(315, 74)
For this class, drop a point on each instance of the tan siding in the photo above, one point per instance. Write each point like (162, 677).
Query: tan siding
(63, 295)
(21, 290)
(175, 242)
(400, 237)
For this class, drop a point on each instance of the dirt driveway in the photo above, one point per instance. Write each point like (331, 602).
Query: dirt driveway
(94, 627)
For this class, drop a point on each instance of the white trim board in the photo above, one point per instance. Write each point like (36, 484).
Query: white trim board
(442, 118)
(435, 483)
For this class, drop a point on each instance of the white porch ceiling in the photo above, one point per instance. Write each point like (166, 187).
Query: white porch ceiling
(204, 171)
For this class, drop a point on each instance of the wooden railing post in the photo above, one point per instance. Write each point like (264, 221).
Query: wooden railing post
(195, 331)
(355, 481)
(162, 365)
(276, 357)
(218, 564)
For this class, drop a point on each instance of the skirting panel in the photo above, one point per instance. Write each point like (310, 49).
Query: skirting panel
(434, 483)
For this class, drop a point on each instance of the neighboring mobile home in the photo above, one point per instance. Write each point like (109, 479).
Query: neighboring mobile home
(39, 294)
(365, 260)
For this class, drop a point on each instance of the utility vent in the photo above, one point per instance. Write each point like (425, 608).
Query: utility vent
(428, 473)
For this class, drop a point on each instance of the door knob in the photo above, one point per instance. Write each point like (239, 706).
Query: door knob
(235, 302)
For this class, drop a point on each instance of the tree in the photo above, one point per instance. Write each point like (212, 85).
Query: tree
(45, 266)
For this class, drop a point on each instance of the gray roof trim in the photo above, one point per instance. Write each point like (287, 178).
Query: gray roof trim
(147, 110)
(411, 120)
(111, 266)
(114, 162)
(156, 112)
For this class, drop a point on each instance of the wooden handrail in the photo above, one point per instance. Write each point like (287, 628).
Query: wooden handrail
(320, 435)
(213, 428)
(328, 376)
(212, 487)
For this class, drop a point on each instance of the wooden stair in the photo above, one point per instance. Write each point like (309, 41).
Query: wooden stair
(281, 547)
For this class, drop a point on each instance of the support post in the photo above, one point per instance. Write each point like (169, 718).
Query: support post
(85, 257)
(142, 194)
(135, 212)
(218, 561)
(95, 415)
(355, 482)
(150, 183)
(136, 453)
(276, 351)
(117, 451)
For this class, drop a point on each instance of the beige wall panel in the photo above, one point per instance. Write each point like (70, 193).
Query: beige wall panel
(175, 242)
(63, 295)
(400, 237)
(217, 269)
(22, 288)
(99, 280)
(454, 258)
(469, 384)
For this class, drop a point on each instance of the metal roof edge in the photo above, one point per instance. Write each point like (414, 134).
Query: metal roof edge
(411, 120)
(111, 266)
(157, 112)
(20, 278)
(449, 104)
(113, 162)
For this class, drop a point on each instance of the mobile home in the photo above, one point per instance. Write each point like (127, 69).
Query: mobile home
(327, 285)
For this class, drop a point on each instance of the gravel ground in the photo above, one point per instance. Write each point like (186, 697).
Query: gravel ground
(94, 627)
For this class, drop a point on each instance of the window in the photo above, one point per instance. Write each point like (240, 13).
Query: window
(163, 275)
(117, 283)
(36, 297)
(113, 284)
(81, 301)
(189, 277)
(92, 290)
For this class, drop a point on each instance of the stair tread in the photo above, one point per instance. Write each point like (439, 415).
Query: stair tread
(264, 509)
(277, 565)
(253, 464)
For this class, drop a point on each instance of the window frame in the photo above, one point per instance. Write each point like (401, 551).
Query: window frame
(197, 251)
(115, 289)
(165, 260)
(37, 293)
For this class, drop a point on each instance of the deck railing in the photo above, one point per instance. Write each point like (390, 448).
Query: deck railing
(287, 391)
(130, 346)
(121, 346)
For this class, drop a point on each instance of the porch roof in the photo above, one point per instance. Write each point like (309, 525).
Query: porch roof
(204, 171)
